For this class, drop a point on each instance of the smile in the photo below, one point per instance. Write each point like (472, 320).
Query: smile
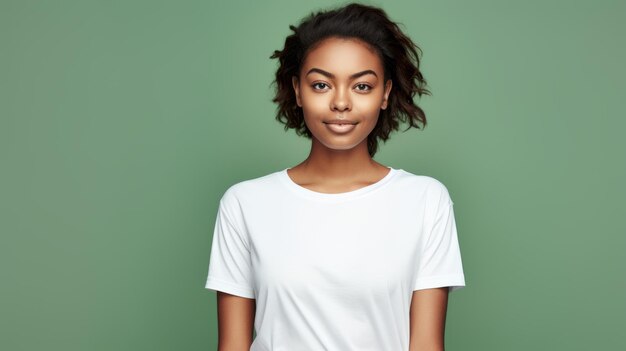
(341, 128)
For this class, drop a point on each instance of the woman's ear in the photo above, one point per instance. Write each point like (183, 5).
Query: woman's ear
(296, 89)
(388, 85)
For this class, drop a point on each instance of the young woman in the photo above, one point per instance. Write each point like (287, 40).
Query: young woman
(338, 252)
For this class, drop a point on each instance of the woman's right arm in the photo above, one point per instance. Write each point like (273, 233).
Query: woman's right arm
(235, 316)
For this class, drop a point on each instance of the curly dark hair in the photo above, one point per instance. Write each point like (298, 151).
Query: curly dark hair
(399, 54)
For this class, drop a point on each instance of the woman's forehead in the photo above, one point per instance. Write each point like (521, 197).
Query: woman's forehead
(342, 56)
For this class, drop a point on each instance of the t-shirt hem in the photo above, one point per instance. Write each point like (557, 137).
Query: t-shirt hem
(454, 282)
(216, 284)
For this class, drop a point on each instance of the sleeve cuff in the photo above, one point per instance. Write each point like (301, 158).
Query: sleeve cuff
(454, 282)
(216, 284)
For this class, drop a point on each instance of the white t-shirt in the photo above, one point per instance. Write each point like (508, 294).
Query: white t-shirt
(334, 271)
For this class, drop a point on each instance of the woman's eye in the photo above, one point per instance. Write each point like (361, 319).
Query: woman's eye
(322, 86)
(315, 85)
(363, 87)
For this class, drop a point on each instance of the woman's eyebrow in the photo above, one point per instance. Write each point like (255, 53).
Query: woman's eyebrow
(332, 76)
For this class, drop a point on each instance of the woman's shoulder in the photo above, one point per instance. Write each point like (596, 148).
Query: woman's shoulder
(421, 179)
(256, 186)
(429, 186)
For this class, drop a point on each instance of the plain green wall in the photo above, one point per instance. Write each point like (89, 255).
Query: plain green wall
(123, 122)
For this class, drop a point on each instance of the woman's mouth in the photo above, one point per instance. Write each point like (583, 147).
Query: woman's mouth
(340, 128)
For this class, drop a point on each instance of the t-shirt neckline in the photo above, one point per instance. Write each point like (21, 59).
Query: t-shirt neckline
(284, 176)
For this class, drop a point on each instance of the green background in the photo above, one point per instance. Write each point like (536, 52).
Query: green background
(123, 122)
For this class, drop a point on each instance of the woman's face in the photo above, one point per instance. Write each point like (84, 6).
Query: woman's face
(341, 91)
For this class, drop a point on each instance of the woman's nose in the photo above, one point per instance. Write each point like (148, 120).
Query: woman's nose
(340, 101)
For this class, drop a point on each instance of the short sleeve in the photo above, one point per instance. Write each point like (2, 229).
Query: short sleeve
(230, 268)
(440, 263)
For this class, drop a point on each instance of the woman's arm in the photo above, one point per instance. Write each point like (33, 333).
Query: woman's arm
(428, 319)
(235, 316)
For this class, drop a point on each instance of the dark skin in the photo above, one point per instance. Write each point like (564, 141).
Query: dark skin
(340, 79)
(325, 90)
(235, 317)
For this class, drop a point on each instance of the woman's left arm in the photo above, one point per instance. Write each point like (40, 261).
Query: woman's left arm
(428, 319)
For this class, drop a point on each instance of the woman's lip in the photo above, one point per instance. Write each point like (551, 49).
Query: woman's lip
(340, 121)
(340, 128)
